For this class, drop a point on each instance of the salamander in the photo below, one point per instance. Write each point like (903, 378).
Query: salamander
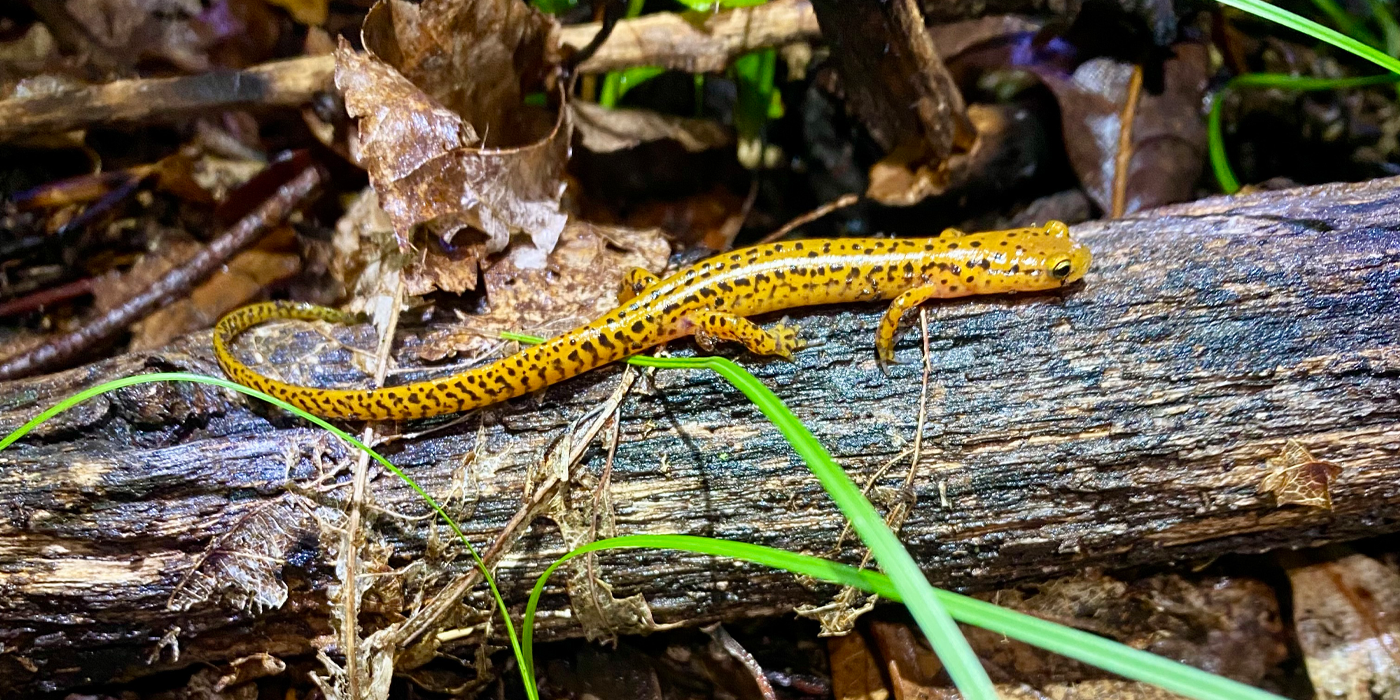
(709, 300)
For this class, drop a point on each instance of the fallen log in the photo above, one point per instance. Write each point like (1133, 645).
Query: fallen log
(1126, 422)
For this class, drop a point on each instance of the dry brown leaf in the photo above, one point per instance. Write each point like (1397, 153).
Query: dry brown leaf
(444, 133)
(577, 283)
(249, 668)
(446, 267)
(1169, 134)
(365, 260)
(127, 31)
(1297, 478)
(855, 672)
(905, 176)
(603, 130)
(243, 566)
(1347, 616)
(238, 33)
(912, 667)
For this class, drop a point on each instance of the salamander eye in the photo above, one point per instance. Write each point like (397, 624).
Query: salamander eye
(1061, 269)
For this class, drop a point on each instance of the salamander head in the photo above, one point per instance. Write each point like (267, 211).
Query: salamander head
(1028, 259)
(1065, 260)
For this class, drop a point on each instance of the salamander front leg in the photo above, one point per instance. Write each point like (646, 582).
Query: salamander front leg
(634, 282)
(711, 326)
(889, 325)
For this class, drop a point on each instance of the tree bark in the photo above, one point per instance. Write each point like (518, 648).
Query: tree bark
(1123, 422)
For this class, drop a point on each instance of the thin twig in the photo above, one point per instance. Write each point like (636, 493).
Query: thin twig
(448, 597)
(351, 550)
(845, 599)
(174, 284)
(841, 202)
(613, 10)
(665, 39)
(923, 404)
(591, 560)
(1124, 157)
(42, 298)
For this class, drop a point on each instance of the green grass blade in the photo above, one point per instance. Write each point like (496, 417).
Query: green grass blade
(1215, 145)
(754, 76)
(1215, 131)
(100, 389)
(1258, 8)
(1389, 28)
(943, 634)
(1091, 649)
(935, 622)
(612, 82)
(1346, 22)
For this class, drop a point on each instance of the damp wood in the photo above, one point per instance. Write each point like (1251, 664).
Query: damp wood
(1129, 421)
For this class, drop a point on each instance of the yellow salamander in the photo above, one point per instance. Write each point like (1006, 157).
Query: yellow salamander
(709, 300)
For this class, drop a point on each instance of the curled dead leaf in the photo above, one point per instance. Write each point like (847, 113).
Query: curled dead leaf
(443, 129)
(575, 284)
(248, 669)
(243, 566)
(604, 130)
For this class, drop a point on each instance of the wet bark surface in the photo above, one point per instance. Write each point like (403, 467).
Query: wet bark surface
(1124, 421)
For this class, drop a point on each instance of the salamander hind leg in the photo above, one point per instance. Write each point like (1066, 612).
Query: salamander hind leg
(889, 325)
(712, 326)
(634, 282)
